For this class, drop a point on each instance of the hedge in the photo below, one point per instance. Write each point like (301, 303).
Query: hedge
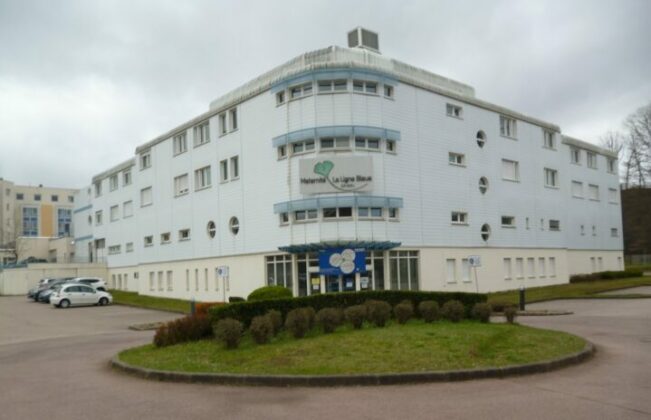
(604, 275)
(270, 292)
(245, 311)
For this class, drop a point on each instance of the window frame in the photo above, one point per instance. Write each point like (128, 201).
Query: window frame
(202, 178)
(508, 127)
(461, 218)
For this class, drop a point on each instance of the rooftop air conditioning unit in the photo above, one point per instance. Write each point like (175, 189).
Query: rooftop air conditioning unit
(363, 38)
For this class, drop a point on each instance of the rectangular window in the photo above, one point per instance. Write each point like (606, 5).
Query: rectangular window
(459, 218)
(235, 167)
(170, 281)
(184, 234)
(551, 178)
(510, 170)
(202, 178)
(457, 159)
(542, 268)
(575, 155)
(151, 281)
(302, 215)
(388, 91)
(223, 170)
(180, 143)
(403, 269)
(577, 189)
(129, 247)
(592, 160)
(181, 185)
(465, 270)
(284, 218)
(612, 165)
(160, 281)
(149, 241)
(519, 268)
(114, 249)
(113, 183)
(593, 192)
(507, 127)
(451, 270)
(30, 221)
(280, 97)
(600, 263)
(145, 197)
(223, 125)
(282, 152)
(64, 222)
(364, 86)
(300, 91)
(98, 218)
(552, 267)
(145, 160)
(613, 232)
(233, 117)
(165, 238)
(98, 188)
(126, 178)
(54, 198)
(531, 267)
(71, 199)
(453, 110)
(367, 143)
(326, 86)
(201, 133)
(594, 230)
(508, 221)
(279, 271)
(393, 213)
(554, 225)
(127, 209)
(20, 196)
(370, 212)
(549, 139)
(613, 195)
(114, 213)
(302, 146)
(507, 269)
(37, 197)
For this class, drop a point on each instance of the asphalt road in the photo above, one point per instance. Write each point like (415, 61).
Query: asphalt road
(54, 365)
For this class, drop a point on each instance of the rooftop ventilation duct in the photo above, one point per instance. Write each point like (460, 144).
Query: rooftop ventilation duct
(363, 38)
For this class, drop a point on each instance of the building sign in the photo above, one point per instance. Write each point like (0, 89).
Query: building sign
(337, 261)
(474, 261)
(336, 174)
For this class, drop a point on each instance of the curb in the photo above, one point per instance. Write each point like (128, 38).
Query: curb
(356, 380)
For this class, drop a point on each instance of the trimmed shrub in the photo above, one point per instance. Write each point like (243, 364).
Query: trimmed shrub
(297, 323)
(269, 292)
(189, 328)
(378, 312)
(261, 329)
(245, 311)
(605, 275)
(482, 312)
(498, 306)
(201, 308)
(429, 310)
(356, 315)
(276, 319)
(510, 313)
(329, 319)
(236, 299)
(453, 310)
(310, 314)
(229, 331)
(403, 311)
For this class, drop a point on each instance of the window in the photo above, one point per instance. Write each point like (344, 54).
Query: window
(303, 146)
(388, 91)
(30, 221)
(531, 267)
(145, 160)
(594, 230)
(280, 97)
(612, 165)
(149, 240)
(575, 155)
(542, 224)
(37, 197)
(613, 232)
(335, 143)
(165, 238)
(223, 126)
(114, 249)
(202, 178)
(507, 269)
(235, 168)
(507, 127)
(552, 267)
(459, 218)
(20, 196)
(223, 170)
(300, 91)
(551, 178)
(333, 86)
(393, 213)
(508, 221)
(160, 281)
(391, 146)
(184, 234)
(211, 228)
(233, 117)
(114, 213)
(451, 270)
(127, 209)
(170, 281)
(181, 185)
(593, 192)
(549, 139)
(554, 225)
(234, 225)
(542, 267)
(577, 189)
(457, 159)
(582, 230)
(201, 133)
(613, 195)
(98, 188)
(592, 160)
(64, 222)
(403, 269)
(337, 212)
(282, 152)
(367, 143)
(98, 217)
(279, 271)
(113, 183)
(54, 198)
(180, 143)
(364, 86)
(303, 215)
(145, 197)
(465, 270)
(526, 223)
(126, 178)
(370, 212)
(519, 268)
(485, 232)
(71, 199)
(284, 218)
(483, 185)
(453, 110)
(510, 170)
(481, 138)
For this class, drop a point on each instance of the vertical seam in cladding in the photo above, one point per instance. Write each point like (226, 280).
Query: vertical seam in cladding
(418, 166)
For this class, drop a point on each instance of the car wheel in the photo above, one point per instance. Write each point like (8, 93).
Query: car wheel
(64, 303)
(103, 301)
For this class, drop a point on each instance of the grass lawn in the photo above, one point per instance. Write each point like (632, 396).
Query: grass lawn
(413, 347)
(570, 291)
(121, 297)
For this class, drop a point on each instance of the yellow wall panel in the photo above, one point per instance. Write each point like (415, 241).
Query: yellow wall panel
(47, 220)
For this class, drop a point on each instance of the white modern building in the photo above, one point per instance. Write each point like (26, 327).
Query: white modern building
(343, 169)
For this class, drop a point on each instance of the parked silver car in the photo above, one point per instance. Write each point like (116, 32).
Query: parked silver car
(96, 283)
(77, 294)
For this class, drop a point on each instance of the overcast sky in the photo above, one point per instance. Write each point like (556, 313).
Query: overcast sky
(82, 83)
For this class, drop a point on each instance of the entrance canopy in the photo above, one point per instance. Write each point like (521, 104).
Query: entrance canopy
(320, 246)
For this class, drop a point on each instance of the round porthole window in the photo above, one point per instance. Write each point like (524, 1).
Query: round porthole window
(483, 185)
(485, 232)
(211, 229)
(234, 225)
(481, 138)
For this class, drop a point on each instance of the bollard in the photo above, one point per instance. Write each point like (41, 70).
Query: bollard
(192, 307)
(522, 298)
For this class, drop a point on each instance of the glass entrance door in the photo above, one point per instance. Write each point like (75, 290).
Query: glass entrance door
(332, 283)
(348, 282)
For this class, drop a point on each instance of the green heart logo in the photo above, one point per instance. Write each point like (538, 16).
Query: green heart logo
(323, 168)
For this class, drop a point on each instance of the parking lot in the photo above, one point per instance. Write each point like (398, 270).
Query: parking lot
(54, 364)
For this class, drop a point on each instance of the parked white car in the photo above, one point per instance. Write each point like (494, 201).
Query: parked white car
(77, 294)
(96, 283)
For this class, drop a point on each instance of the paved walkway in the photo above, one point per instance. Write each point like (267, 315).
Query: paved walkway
(54, 364)
(643, 290)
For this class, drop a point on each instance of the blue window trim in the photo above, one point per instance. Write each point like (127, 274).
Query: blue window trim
(338, 201)
(336, 131)
(333, 74)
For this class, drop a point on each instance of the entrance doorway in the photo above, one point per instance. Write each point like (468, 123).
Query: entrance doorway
(332, 283)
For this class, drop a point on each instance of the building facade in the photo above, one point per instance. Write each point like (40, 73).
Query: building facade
(346, 170)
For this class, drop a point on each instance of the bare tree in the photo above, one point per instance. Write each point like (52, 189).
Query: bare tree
(638, 125)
